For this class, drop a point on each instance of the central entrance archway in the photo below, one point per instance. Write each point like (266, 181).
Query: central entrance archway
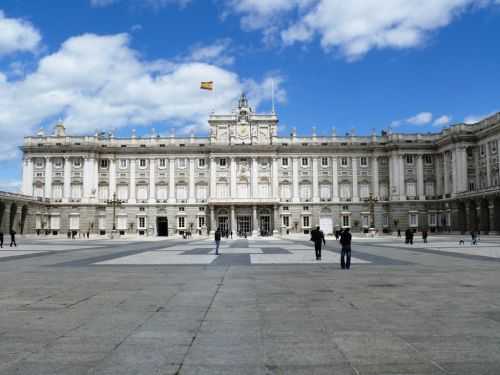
(162, 226)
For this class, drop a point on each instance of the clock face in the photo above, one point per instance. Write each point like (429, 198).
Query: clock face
(243, 131)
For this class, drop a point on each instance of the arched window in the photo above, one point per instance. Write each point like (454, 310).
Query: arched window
(222, 188)
(305, 191)
(345, 190)
(285, 190)
(325, 190)
(243, 188)
(161, 192)
(181, 191)
(264, 188)
(76, 191)
(201, 192)
(364, 190)
(122, 192)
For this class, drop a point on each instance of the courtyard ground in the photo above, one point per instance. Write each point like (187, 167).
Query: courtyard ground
(262, 307)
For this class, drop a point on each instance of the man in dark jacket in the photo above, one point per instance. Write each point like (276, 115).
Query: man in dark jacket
(217, 241)
(13, 238)
(318, 238)
(345, 256)
(1, 239)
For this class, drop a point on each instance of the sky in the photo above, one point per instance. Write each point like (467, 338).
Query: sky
(356, 66)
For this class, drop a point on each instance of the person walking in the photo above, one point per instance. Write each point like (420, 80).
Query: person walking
(217, 241)
(424, 235)
(1, 239)
(345, 255)
(318, 238)
(13, 238)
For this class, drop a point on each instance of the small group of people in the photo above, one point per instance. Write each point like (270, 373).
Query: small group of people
(409, 235)
(12, 238)
(474, 237)
(318, 237)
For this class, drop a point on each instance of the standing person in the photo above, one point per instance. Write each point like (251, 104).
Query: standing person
(13, 238)
(399, 232)
(318, 238)
(424, 235)
(345, 256)
(217, 241)
(231, 234)
(473, 237)
(407, 236)
(411, 236)
(1, 239)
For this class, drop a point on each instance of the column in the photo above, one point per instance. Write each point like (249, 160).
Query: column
(232, 179)
(462, 168)
(295, 179)
(152, 180)
(355, 194)
(420, 178)
(488, 170)
(171, 180)
(277, 221)
(393, 181)
(446, 188)
(27, 187)
(212, 177)
(275, 175)
(67, 179)
(112, 178)
(315, 180)
(132, 196)
(95, 179)
(491, 211)
(254, 178)
(254, 221)
(233, 220)
(375, 182)
(212, 220)
(454, 172)
(87, 176)
(335, 180)
(402, 190)
(439, 174)
(48, 177)
(191, 196)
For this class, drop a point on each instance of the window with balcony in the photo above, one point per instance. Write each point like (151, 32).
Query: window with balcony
(142, 192)
(162, 163)
(284, 162)
(285, 191)
(411, 189)
(363, 161)
(344, 162)
(325, 191)
(324, 162)
(104, 163)
(142, 163)
(305, 191)
(305, 162)
(345, 191)
(202, 163)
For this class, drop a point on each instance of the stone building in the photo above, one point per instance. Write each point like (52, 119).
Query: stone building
(246, 178)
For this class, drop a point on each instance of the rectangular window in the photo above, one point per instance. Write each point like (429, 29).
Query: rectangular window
(104, 163)
(74, 222)
(285, 191)
(429, 189)
(324, 162)
(122, 192)
(39, 163)
(57, 191)
(427, 159)
(181, 222)
(201, 221)
(142, 223)
(432, 220)
(201, 163)
(305, 162)
(305, 221)
(103, 192)
(365, 221)
(142, 163)
(363, 161)
(201, 192)
(286, 221)
(346, 221)
(181, 192)
(58, 163)
(142, 192)
(411, 189)
(222, 163)
(76, 191)
(284, 162)
(161, 192)
(163, 163)
(409, 159)
(55, 222)
(181, 163)
(413, 220)
(324, 191)
(344, 162)
(77, 163)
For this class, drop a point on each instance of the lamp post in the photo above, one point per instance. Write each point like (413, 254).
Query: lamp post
(114, 203)
(371, 204)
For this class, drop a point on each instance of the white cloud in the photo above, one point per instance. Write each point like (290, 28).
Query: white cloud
(217, 53)
(17, 35)
(422, 118)
(100, 82)
(150, 3)
(353, 27)
(472, 119)
(442, 121)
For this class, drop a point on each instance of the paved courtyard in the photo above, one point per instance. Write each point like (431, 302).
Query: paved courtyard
(261, 307)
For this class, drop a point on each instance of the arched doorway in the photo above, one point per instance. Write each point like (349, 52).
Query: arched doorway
(13, 212)
(473, 219)
(484, 220)
(326, 221)
(24, 215)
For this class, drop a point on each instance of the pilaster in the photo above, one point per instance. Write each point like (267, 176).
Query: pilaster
(171, 180)
(335, 180)
(295, 179)
(67, 179)
(191, 196)
(355, 190)
(315, 182)
(132, 197)
(375, 179)
(152, 180)
(48, 178)
(420, 178)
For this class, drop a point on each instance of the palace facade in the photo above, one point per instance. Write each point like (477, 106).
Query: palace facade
(246, 179)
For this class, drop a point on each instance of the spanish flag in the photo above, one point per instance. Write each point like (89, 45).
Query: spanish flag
(209, 85)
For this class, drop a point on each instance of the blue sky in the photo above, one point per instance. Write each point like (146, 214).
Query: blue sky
(121, 64)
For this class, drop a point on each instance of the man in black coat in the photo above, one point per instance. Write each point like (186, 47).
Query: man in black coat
(345, 256)
(318, 238)
(13, 238)
(217, 240)
(1, 239)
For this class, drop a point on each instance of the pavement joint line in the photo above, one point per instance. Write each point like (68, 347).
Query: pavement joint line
(203, 320)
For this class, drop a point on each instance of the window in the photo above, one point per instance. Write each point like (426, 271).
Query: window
(345, 191)
(142, 163)
(411, 189)
(201, 192)
(181, 222)
(39, 191)
(142, 192)
(77, 163)
(104, 163)
(284, 162)
(57, 191)
(325, 191)
(202, 163)
(364, 191)
(264, 163)
(413, 220)
(409, 159)
(305, 221)
(429, 189)
(201, 221)
(103, 192)
(286, 221)
(201, 209)
(222, 163)
(74, 222)
(305, 191)
(101, 222)
(346, 221)
(58, 163)
(472, 186)
(428, 159)
(163, 163)
(344, 162)
(285, 191)
(493, 147)
(141, 222)
(363, 161)
(181, 192)
(55, 222)
(39, 163)
(384, 191)
(76, 191)
(432, 220)
(305, 208)
(365, 221)
(123, 163)
(324, 162)
(181, 209)
(122, 192)
(285, 208)
(181, 163)
(305, 162)
(482, 150)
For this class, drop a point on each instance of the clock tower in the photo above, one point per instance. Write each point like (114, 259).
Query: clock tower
(243, 126)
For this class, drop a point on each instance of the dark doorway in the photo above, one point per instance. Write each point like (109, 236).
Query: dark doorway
(162, 226)
(24, 214)
(13, 213)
